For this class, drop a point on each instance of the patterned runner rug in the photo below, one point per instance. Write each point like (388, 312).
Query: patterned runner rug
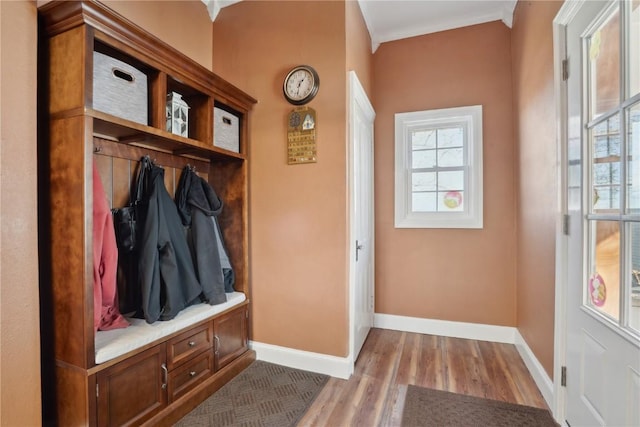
(264, 394)
(428, 407)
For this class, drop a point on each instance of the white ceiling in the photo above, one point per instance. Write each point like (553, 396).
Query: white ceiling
(389, 20)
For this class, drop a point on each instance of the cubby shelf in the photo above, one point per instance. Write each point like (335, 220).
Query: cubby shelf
(128, 132)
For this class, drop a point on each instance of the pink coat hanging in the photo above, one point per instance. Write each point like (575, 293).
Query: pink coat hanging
(106, 314)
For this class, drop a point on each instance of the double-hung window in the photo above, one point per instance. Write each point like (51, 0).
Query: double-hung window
(438, 168)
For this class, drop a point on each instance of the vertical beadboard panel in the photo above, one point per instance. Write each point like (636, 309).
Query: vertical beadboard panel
(122, 178)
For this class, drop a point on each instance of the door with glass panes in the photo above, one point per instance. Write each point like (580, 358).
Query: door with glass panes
(603, 196)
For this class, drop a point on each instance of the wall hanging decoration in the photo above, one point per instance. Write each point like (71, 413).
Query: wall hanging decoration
(453, 199)
(301, 136)
(301, 85)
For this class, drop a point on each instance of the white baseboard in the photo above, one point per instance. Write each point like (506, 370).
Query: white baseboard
(339, 367)
(540, 376)
(474, 331)
(445, 328)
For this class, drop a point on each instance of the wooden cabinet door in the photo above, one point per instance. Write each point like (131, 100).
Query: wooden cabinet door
(231, 336)
(134, 389)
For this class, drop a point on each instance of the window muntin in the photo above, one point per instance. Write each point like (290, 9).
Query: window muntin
(439, 168)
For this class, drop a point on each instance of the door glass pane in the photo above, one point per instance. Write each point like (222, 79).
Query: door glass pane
(633, 159)
(605, 176)
(603, 283)
(634, 49)
(604, 65)
(634, 306)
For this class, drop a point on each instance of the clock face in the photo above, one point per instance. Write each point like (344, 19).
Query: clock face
(301, 85)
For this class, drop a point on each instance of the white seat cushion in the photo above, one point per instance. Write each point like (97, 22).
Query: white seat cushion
(114, 343)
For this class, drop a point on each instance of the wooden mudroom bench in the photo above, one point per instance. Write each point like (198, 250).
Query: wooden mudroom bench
(146, 373)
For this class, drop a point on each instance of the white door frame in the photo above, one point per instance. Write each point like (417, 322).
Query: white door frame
(563, 19)
(565, 15)
(357, 96)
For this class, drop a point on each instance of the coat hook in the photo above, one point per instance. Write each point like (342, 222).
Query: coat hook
(97, 149)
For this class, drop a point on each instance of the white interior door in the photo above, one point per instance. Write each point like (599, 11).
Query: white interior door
(362, 116)
(603, 203)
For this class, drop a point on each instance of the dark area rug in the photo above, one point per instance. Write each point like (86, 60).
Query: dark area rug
(264, 394)
(428, 407)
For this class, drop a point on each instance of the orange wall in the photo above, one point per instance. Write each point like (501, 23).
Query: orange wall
(449, 274)
(19, 308)
(298, 217)
(534, 105)
(183, 24)
(299, 212)
(358, 44)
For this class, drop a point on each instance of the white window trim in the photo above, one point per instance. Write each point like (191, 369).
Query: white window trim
(471, 217)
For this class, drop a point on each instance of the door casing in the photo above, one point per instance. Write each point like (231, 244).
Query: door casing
(357, 99)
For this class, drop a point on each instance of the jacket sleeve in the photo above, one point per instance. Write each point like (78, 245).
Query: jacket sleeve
(105, 263)
(181, 286)
(148, 263)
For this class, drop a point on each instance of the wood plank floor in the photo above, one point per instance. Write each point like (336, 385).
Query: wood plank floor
(391, 360)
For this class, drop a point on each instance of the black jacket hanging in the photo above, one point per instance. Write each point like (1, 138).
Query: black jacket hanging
(199, 206)
(167, 278)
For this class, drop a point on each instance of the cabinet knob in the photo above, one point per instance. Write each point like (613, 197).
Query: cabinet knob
(192, 343)
(192, 373)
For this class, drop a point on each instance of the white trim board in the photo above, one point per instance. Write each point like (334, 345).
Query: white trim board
(445, 328)
(339, 367)
(474, 331)
(540, 376)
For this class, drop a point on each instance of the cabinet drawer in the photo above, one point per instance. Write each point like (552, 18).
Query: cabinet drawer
(190, 374)
(185, 345)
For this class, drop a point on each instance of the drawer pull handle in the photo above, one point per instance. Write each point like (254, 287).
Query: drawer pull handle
(192, 343)
(165, 375)
(192, 374)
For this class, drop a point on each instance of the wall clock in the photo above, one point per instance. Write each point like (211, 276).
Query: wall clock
(301, 85)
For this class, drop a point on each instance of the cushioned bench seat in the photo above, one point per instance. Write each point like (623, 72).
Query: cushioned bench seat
(111, 344)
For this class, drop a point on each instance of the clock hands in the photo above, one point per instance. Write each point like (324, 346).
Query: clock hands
(300, 83)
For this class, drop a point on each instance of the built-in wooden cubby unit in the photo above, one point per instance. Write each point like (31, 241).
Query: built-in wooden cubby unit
(74, 136)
